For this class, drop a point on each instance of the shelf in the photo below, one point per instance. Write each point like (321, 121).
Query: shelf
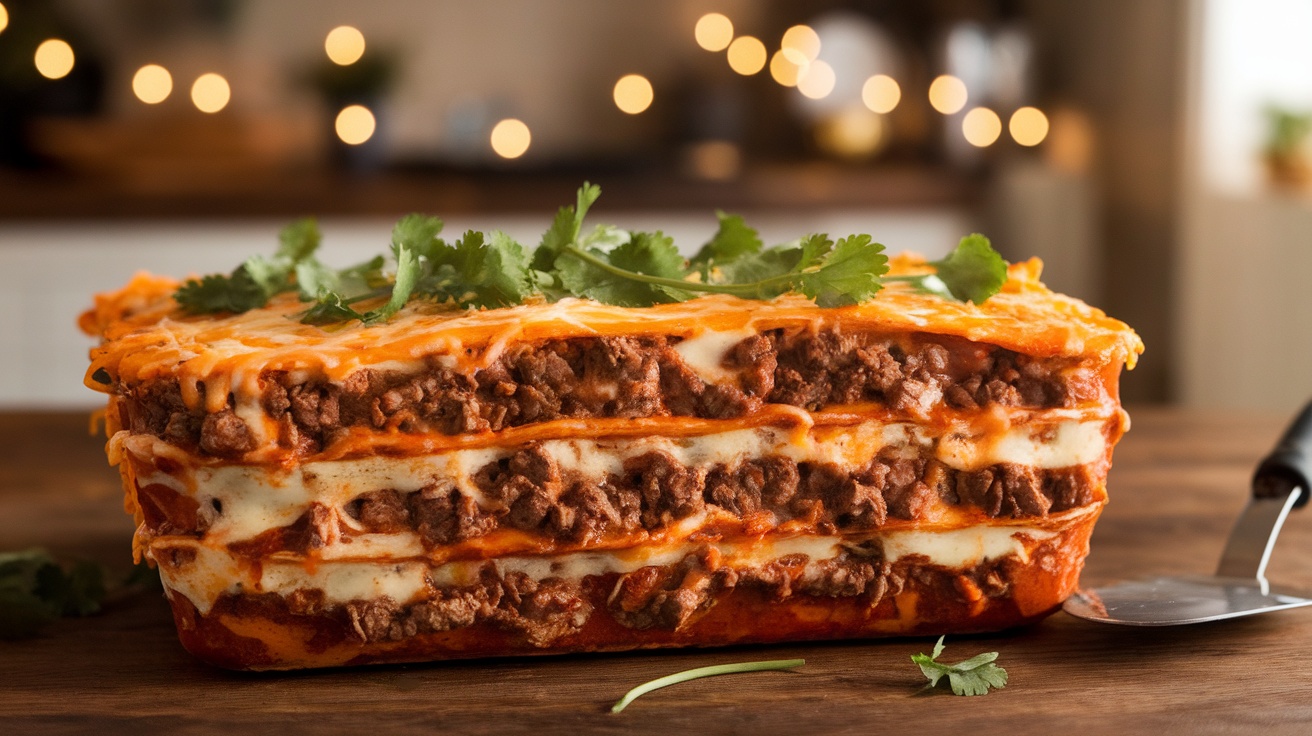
(49, 196)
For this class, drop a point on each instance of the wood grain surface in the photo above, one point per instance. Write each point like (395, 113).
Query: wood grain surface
(1178, 483)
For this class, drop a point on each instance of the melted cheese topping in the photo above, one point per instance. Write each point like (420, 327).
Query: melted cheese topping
(146, 337)
(243, 501)
(202, 574)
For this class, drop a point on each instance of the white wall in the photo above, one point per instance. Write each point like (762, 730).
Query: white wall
(1243, 307)
(49, 272)
(1254, 53)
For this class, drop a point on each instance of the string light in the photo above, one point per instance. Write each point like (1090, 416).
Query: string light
(947, 94)
(54, 58)
(210, 92)
(344, 45)
(981, 126)
(714, 32)
(355, 124)
(747, 55)
(1028, 126)
(817, 80)
(881, 94)
(152, 84)
(803, 40)
(4, 18)
(633, 93)
(510, 138)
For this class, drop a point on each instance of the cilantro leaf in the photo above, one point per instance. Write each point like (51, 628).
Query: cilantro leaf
(974, 676)
(298, 243)
(850, 273)
(813, 249)
(299, 240)
(733, 240)
(973, 271)
(605, 238)
(252, 284)
(418, 233)
(564, 230)
(776, 270)
(313, 278)
(766, 269)
(270, 276)
(330, 307)
(617, 277)
(218, 293)
(495, 270)
(407, 273)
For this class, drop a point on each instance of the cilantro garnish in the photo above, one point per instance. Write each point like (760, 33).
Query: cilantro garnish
(972, 677)
(972, 272)
(633, 269)
(35, 590)
(254, 282)
(693, 674)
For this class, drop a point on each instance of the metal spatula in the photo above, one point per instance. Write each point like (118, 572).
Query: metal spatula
(1239, 587)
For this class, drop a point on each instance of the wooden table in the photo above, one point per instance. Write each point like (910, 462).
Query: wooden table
(1180, 479)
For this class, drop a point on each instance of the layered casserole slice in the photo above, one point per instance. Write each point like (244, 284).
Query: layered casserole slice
(564, 476)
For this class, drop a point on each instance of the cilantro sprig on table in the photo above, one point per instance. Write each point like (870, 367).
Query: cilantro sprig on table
(35, 590)
(607, 264)
(974, 676)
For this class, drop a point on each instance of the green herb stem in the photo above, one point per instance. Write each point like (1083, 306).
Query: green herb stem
(748, 290)
(700, 672)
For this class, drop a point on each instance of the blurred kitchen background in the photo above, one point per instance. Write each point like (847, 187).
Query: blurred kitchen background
(1154, 154)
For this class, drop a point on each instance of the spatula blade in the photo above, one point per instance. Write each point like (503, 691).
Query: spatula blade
(1170, 601)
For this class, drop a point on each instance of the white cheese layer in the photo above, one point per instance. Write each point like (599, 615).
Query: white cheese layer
(243, 501)
(704, 353)
(205, 573)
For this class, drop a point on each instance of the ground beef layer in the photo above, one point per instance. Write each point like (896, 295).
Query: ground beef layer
(622, 377)
(692, 603)
(530, 492)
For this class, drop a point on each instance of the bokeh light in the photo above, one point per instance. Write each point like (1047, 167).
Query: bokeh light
(4, 18)
(947, 94)
(633, 93)
(784, 68)
(852, 133)
(714, 32)
(344, 45)
(747, 55)
(355, 124)
(981, 126)
(54, 58)
(1028, 126)
(510, 138)
(881, 93)
(817, 80)
(802, 40)
(714, 160)
(152, 84)
(210, 92)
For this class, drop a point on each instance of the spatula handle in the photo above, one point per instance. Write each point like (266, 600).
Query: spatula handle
(1289, 465)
